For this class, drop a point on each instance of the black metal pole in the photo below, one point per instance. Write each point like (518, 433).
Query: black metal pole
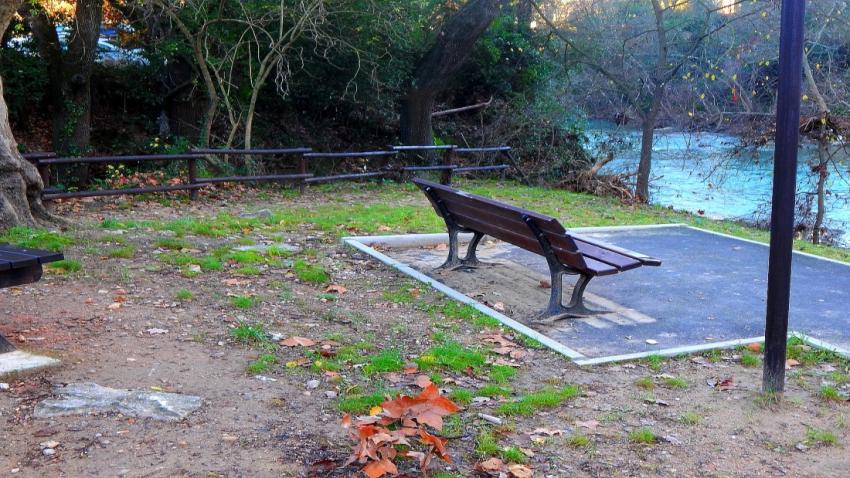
(784, 190)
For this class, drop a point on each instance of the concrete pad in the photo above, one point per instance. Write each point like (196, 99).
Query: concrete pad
(85, 398)
(19, 361)
(709, 292)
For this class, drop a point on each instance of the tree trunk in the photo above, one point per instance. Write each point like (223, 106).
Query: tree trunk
(79, 62)
(822, 166)
(645, 165)
(440, 64)
(20, 184)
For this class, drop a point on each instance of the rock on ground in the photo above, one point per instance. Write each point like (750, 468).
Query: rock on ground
(81, 398)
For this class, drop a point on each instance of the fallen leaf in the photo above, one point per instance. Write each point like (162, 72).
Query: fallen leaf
(377, 469)
(422, 381)
(336, 289)
(374, 411)
(499, 306)
(114, 306)
(791, 363)
(295, 341)
(520, 471)
(547, 431)
(754, 347)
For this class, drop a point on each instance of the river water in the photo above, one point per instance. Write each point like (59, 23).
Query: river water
(709, 173)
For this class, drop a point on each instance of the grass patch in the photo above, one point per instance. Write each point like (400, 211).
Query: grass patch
(690, 419)
(486, 444)
(249, 334)
(66, 266)
(36, 238)
(172, 244)
(384, 362)
(402, 295)
(244, 257)
(502, 373)
(125, 252)
(643, 436)
(750, 360)
(460, 396)
(360, 404)
(310, 273)
(577, 440)
(645, 383)
(492, 391)
(654, 362)
(248, 271)
(243, 302)
(816, 437)
(184, 294)
(808, 355)
(513, 454)
(262, 364)
(830, 394)
(547, 398)
(453, 356)
(675, 382)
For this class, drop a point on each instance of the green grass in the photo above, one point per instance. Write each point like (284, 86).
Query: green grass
(208, 263)
(384, 362)
(675, 382)
(248, 271)
(36, 238)
(577, 440)
(502, 373)
(244, 257)
(360, 404)
(124, 252)
(816, 437)
(644, 436)
(172, 244)
(460, 396)
(492, 391)
(66, 265)
(262, 364)
(243, 302)
(654, 362)
(830, 394)
(452, 356)
(808, 355)
(750, 360)
(530, 403)
(184, 294)
(513, 454)
(401, 295)
(486, 444)
(690, 419)
(249, 334)
(645, 383)
(309, 273)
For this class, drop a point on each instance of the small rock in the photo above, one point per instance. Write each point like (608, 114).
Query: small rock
(801, 447)
(651, 341)
(671, 439)
(4, 387)
(48, 452)
(228, 438)
(156, 331)
(49, 444)
(330, 394)
(263, 378)
(312, 384)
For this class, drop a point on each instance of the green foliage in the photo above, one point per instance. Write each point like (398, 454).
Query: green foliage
(383, 362)
(546, 398)
(643, 436)
(263, 363)
(124, 252)
(360, 404)
(243, 301)
(451, 355)
(816, 437)
(249, 334)
(310, 273)
(66, 265)
(36, 238)
(184, 294)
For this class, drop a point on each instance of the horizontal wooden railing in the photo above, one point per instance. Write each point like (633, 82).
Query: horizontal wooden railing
(301, 168)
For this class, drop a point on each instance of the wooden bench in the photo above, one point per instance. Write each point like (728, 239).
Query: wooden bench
(565, 253)
(19, 265)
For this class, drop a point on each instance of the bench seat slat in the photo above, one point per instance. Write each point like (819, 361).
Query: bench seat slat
(43, 256)
(643, 258)
(18, 261)
(620, 261)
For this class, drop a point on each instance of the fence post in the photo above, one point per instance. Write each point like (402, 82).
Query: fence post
(302, 169)
(448, 158)
(193, 176)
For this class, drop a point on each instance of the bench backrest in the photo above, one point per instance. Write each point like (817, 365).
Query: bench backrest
(503, 221)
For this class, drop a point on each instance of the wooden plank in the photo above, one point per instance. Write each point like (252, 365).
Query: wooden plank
(17, 260)
(340, 177)
(42, 256)
(258, 152)
(120, 192)
(467, 169)
(487, 149)
(121, 159)
(356, 154)
(643, 258)
(620, 261)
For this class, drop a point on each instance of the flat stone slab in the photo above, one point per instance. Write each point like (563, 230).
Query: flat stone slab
(84, 398)
(262, 248)
(20, 361)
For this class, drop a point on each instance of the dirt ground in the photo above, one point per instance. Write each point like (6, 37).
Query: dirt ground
(709, 421)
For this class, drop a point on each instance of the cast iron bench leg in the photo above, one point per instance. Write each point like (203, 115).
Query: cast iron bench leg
(471, 259)
(5, 346)
(453, 260)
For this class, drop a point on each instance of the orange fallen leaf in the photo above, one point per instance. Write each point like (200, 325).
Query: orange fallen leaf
(377, 469)
(493, 464)
(791, 363)
(295, 341)
(754, 347)
(114, 306)
(422, 381)
(520, 471)
(336, 289)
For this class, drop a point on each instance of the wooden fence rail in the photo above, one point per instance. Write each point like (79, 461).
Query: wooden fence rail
(302, 176)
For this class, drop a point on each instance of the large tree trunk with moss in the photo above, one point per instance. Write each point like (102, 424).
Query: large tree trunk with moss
(20, 184)
(440, 64)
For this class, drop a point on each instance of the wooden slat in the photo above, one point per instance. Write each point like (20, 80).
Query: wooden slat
(339, 177)
(355, 154)
(620, 261)
(42, 256)
(121, 192)
(467, 169)
(17, 260)
(643, 258)
(258, 152)
(245, 179)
